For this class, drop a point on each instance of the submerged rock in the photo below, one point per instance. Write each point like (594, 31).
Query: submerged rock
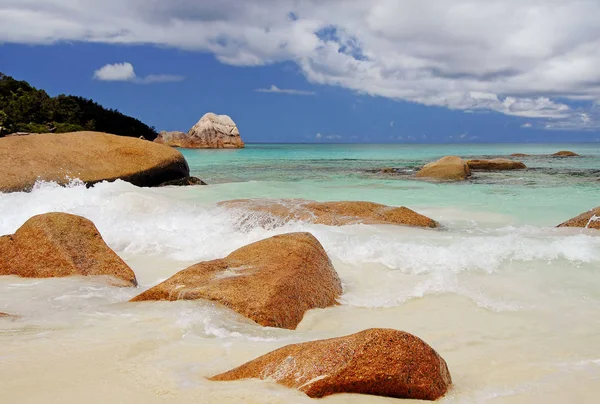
(495, 164)
(380, 362)
(519, 155)
(89, 156)
(565, 153)
(211, 132)
(588, 220)
(333, 213)
(449, 168)
(4, 315)
(273, 281)
(388, 170)
(183, 182)
(58, 245)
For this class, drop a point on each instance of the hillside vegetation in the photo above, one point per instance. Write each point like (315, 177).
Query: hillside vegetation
(24, 108)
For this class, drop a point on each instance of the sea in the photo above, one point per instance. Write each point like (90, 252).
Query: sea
(511, 302)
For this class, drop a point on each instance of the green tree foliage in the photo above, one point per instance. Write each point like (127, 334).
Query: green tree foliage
(24, 108)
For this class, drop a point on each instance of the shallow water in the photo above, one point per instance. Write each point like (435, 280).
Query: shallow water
(511, 302)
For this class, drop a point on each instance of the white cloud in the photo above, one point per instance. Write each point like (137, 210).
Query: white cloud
(125, 72)
(527, 125)
(160, 78)
(320, 136)
(391, 124)
(518, 57)
(275, 89)
(115, 72)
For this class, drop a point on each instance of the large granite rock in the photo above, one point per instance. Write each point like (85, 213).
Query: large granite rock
(272, 282)
(332, 213)
(449, 168)
(211, 132)
(89, 156)
(588, 220)
(496, 165)
(565, 153)
(379, 362)
(58, 245)
(173, 139)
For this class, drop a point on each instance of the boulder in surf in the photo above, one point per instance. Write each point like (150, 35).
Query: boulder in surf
(587, 220)
(58, 245)
(382, 362)
(332, 213)
(88, 156)
(449, 168)
(272, 282)
(496, 165)
(565, 153)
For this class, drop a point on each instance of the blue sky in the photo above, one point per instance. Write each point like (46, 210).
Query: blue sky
(329, 83)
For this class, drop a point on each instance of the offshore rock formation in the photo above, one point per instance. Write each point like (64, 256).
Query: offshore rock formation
(496, 165)
(273, 281)
(211, 132)
(173, 139)
(565, 153)
(58, 245)
(89, 156)
(449, 168)
(587, 220)
(333, 213)
(380, 362)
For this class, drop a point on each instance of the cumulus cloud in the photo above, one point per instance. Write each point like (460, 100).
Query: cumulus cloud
(275, 89)
(115, 72)
(517, 57)
(527, 125)
(125, 72)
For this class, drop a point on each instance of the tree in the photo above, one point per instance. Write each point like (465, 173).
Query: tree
(25, 108)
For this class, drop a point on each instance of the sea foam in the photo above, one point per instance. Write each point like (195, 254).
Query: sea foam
(158, 222)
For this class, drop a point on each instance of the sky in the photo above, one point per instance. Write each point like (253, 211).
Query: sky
(351, 71)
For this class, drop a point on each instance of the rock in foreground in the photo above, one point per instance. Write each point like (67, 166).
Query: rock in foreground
(333, 213)
(58, 245)
(272, 281)
(211, 132)
(588, 220)
(380, 362)
(89, 156)
(565, 153)
(449, 168)
(496, 165)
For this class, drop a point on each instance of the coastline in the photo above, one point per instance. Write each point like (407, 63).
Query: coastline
(506, 298)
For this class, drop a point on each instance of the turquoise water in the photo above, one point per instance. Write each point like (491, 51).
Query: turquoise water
(511, 302)
(550, 191)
